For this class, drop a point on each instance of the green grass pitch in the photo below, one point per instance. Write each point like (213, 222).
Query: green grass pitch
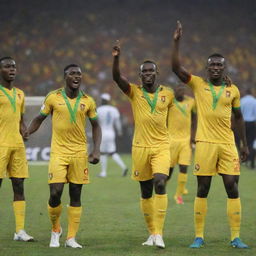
(112, 223)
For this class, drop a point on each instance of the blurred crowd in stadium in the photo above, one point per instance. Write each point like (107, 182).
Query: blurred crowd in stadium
(44, 37)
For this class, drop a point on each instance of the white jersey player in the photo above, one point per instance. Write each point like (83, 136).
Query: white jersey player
(109, 119)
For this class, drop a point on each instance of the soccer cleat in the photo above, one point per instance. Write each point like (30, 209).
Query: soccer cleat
(178, 199)
(159, 242)
(125, 172)
(55, 239)
(71, 242)
(198, 243)
(23, 236)
(185, 191)
(237, 243)
(150, 241)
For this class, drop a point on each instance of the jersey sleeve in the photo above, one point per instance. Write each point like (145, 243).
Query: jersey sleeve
(92, 111)
(46, 108)
(194, 81)
(130, 93)
(236, 99)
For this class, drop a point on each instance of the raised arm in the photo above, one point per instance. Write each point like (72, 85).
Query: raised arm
(36, 123)
(121, 81)
(180, 71)
(94, 157)
(239, 122)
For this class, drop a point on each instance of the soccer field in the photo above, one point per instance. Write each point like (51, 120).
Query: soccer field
(112, 223)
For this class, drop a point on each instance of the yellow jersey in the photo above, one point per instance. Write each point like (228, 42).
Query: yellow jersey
(179, 118)
(11, 109)
(68, 135)
(150, 112)
(214, 108)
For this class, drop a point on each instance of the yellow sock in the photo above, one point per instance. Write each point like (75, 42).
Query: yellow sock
(147, 208)
(74, 215)
(234, 216)
(19, 208)
(160, 207)
(200, 210)
(54, 215)
(182, 181)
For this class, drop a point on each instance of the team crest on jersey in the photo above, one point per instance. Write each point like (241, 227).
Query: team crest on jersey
(82, 107)
(136, 173)
(228, 94)
(163, 98)
(197, 167)
(19, 96)
(50, 176)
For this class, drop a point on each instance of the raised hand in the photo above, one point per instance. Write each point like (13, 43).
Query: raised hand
(178, 31)
(116, 49)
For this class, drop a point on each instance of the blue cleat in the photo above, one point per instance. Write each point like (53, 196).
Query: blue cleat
(198, 243)
(237, 243)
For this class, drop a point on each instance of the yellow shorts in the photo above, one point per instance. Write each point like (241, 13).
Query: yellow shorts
(216, 158)
(180, 152)
(13, 163)
(68, 168)
(148, 161)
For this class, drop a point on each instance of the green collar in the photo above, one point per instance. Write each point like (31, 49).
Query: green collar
(72, 112)
(152, 103)
(10, 98)
(216, 97)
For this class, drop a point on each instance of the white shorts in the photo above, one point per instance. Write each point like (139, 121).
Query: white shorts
(108, 146)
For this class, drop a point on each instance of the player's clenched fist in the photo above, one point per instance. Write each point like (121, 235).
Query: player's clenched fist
(178, 31)
(116, 49)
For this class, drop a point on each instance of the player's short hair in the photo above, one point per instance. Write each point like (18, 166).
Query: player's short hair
(148, 61)
(5, 58)
(215, 55)
(70, 66)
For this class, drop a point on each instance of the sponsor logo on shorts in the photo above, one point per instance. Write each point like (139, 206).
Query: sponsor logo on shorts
(136, 173)
(82, 107)
(163, 98)
(50, 176)
(197, 167)
(86, 171)
(228, 94)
